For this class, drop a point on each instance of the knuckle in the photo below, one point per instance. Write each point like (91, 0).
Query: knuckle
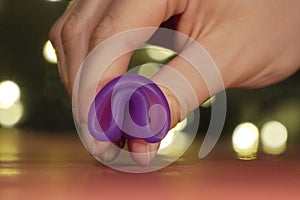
(71, 28)
(64, 31)
(101, 32)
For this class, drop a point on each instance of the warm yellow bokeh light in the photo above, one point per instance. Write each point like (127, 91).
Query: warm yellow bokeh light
(171, 134)
(9, 94)
(167, 140)
(11, 116)
(159, 54)
(9, 172)
(274, 137)
(181, 125)
(245, 140)
(176, 141)
(209, 102)
(9, 146)
(149, 69)
(174, 144)
(49, 53)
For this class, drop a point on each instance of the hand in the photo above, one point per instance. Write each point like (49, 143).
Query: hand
(253, 43)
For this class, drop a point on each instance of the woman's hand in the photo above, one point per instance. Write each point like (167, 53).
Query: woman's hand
(253, 43)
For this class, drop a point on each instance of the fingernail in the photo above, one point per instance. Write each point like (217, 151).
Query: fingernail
(143, 153)
(88, 140)
(110, 154)
(93, 146)
(100, 147)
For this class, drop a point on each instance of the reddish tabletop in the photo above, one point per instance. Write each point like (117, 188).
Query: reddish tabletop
(37, 165)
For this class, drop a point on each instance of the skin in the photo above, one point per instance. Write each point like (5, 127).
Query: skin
(253, 43)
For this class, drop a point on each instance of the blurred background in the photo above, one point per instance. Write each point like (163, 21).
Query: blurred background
(24, 28)
(33, 98)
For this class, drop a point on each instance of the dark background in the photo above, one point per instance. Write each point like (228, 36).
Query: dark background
(24, 28)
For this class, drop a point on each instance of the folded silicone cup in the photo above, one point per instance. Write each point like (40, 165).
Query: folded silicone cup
(129, 106)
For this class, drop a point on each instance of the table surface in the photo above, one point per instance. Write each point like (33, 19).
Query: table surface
(38, 165)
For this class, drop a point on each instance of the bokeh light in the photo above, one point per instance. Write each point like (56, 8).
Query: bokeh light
(209, 102)
(54, 0)
(174, 144)
(9, 152)
(167, 140)
(159, 54)
(288, 113)
(245, 141)
(172, 133)
(9, 94)
(274, 137)
(149, 69)
(9, 145)
(181, 125)
(11, 116)
(49, 53)
(9, 172)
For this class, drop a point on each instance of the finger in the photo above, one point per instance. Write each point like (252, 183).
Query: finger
(94, 147)
(101, 56)
(112, 151)
(197, 78)
(73, 36)
(142, 152)
(106, 151)
(55, 38)
(187, 81)
(70, 37)
(129, 15)
(115, 21)
(82, 100)
(178, 85)
(142, 14)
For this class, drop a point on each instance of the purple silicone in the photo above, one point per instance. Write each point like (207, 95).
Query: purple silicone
(131, 106)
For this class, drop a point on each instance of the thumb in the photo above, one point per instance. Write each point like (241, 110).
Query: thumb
(188, 80)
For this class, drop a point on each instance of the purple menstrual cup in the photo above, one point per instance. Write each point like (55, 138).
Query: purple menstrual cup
(129, 106)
